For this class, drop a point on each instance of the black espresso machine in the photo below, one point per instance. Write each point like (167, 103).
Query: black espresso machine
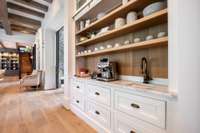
(107, 70)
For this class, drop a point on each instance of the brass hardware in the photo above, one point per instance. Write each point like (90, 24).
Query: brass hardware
(77, 101)
(77, 87)
(135, 105)
(97, 112)
(97, 93)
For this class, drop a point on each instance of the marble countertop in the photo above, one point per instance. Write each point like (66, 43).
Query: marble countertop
(156, 89)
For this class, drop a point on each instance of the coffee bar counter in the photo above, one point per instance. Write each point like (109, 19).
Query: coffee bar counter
(157, 90)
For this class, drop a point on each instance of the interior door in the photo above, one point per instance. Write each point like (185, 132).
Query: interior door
(60, 58)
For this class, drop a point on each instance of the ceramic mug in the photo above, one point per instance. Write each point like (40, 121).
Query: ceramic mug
(127, 42)
(131, 17)
(100, 15)
(119, 22)
(81, 25)
(117, 44)
(87, 23)
(136, 40)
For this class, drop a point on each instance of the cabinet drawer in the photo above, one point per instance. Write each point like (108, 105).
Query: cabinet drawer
(126, 124)
(146, 109)
(98, 113)
(78, 101)
(78, 86)
(99, 94)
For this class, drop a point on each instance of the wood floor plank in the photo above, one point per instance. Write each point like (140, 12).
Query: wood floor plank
(37, 112)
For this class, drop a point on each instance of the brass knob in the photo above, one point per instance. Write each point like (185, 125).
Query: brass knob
(97, 93)
(135, 105)
(97, 112)
(77, 101)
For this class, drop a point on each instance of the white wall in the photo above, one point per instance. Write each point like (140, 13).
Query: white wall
(46, 36)
(184, 114)
(50, 59)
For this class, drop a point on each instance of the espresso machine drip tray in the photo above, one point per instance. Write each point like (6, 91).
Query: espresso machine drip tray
(105, 79)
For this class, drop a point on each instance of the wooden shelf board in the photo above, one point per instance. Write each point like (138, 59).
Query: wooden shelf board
(144, 44)
(132, 5)
(154, 19)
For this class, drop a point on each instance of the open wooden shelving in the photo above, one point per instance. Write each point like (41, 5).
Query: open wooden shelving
(151, 20)
(145, 44)
(132, 5)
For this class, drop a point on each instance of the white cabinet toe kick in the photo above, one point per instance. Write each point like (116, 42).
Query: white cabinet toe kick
(112, 109)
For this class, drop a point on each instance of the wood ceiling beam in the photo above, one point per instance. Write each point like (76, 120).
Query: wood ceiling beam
(25, 10)
(20, 20)
(49, 1)
(23, 29)
(4, 17)
(33, 4)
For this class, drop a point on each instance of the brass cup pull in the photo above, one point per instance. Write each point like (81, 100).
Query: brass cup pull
(132, 131)
(97, 93)
(77, 101)
(97, 112)
(135, 105)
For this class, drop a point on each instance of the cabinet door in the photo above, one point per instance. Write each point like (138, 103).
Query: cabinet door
(127, 124)
(147, 109)
(99, 114)
(78, 100)
(78, 87)
(99, 94)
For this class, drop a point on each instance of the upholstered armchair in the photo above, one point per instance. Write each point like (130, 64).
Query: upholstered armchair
(31, 80)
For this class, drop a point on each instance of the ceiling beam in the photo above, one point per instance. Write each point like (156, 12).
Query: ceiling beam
(4, 17)
(23, 29)
(25, 10)
(33, 4)
(20, 20)
(49, 1)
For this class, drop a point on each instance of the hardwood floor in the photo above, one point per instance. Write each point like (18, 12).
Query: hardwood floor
(37, 112)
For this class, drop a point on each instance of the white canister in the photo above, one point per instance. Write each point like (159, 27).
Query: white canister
(81, 25)
(124, 2)
(119, 22)
(131, 17)
(87, 23)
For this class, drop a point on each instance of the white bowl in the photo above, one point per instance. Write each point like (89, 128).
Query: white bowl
(161, 34)
(149, 37)
(96, 49)
(102, 48)
(109, 46)
(152, 8)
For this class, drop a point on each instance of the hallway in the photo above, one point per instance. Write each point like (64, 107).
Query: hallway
(36, 112)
